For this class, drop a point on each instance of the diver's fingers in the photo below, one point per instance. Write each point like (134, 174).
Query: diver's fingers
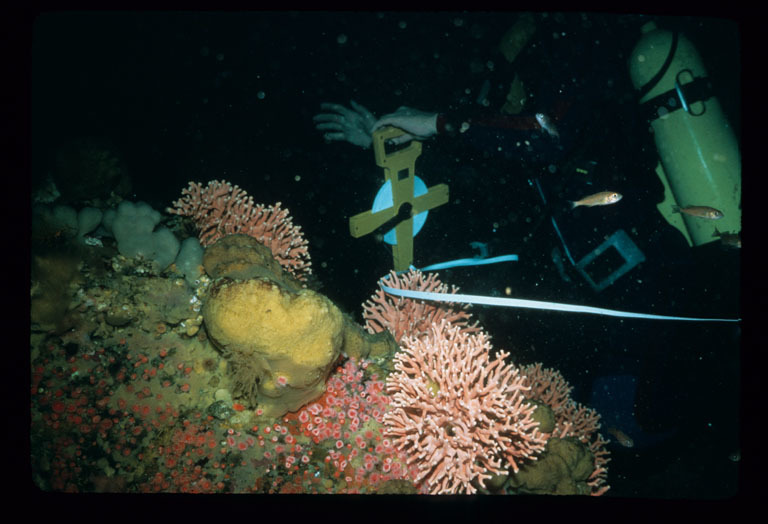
(328, 117)
(362, 110)
(343, 111)
(392, 119)
(402, 139)
(330, 126)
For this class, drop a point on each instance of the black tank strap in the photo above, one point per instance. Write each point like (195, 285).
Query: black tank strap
(653, 81)
(699, 90)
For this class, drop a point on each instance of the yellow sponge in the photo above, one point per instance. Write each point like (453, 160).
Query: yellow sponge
(282, 345)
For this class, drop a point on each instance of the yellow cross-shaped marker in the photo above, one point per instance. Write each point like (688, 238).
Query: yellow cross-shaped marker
(399, 170)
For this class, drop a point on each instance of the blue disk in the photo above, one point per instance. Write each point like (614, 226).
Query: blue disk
(383, 200)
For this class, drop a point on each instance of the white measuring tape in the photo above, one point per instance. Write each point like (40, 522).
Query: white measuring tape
(536, 304)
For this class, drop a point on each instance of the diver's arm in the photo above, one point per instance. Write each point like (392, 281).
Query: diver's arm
(493, 133)
(490, 132)
(513, 136)
(418, 125)
(356, 125)
(452, 124)
(421, 125)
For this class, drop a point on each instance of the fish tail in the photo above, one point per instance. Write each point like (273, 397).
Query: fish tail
(574, 204)
(676, 209)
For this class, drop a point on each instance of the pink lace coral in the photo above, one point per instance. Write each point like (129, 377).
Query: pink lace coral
(409, 317)
(458, 415)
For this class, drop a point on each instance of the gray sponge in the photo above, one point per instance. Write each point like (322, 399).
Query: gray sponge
(72, 223)
(133, 226)
(88, 219)
(190, 260)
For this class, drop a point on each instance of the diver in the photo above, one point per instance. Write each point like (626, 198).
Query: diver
(556, 109)
(539, 137)
(542, 136)
(562, 104)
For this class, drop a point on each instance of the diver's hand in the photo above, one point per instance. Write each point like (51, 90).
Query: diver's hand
(418, 125)
(352, 125)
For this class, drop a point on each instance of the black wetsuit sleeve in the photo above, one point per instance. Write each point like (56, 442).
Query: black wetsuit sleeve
(512, 136)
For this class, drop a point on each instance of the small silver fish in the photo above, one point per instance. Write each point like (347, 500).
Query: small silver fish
(728, 240)
(603, 198)
(547, 125)
(707, 212)
(621, 438)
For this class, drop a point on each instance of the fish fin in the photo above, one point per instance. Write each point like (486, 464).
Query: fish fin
(716, 233)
